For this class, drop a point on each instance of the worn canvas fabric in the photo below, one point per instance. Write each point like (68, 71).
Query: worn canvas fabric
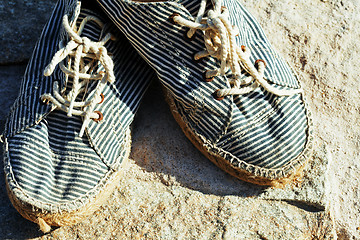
(260, 135)
(50, 168)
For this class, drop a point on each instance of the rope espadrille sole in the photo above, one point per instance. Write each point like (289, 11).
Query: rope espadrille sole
(59, 218)
(290, 173)
(67, 135)
(235, 98)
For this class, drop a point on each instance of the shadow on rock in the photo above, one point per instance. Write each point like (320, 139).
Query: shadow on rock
(159, 146)
(13, 225)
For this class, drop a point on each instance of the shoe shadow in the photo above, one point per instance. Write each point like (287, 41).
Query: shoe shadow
(13, 225)
(159, 146)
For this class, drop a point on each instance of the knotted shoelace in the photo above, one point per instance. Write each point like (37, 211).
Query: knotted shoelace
(83, 61)
(219, 39)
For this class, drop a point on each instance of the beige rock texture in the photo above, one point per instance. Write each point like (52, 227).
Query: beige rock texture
(171, 191)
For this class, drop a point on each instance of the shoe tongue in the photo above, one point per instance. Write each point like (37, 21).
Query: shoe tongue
(193, 6)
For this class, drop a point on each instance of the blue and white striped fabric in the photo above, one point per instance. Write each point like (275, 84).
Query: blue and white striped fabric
(47, 164)
(260, 133)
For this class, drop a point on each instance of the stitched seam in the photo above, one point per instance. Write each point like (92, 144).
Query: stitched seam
(287, 167)
(259, 118)
(259, 171)
(190, 76)
(83, 200)
(112, 127)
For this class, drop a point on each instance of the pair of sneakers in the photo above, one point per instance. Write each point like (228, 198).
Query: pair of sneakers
(67, 136)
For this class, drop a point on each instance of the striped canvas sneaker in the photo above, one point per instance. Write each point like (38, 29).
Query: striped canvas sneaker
(67, 136)
(234, 97)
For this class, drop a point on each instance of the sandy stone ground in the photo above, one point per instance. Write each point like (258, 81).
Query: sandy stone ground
(171, 191)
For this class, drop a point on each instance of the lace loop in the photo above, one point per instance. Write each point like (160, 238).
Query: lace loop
(81, 60)
(220, 43)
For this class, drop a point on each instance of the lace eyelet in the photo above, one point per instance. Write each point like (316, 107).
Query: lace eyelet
(44, 101)
(216, 95)
(207, 79)
(257, 62)
(102, 98)
(196, 60)
(101, 117)
(187, 39)
(243, 48)
(171, 18)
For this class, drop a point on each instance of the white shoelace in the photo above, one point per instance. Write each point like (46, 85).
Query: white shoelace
(83, 58)
(219, 38)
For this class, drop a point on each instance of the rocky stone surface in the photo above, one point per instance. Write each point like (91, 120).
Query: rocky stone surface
(21, 22)
(170, 191)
